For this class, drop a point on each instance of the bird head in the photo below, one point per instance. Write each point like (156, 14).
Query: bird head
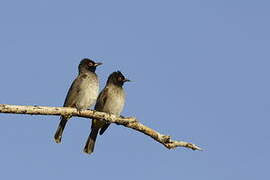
(88, 64)
(117, 78)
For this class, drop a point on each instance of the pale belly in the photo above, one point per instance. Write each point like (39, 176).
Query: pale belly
(87, 95)
(114, 105)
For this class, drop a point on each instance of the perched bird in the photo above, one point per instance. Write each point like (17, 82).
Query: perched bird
(82, 94)
(110, 100)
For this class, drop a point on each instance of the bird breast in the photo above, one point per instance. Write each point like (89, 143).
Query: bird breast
(115, 101)
(88, 91)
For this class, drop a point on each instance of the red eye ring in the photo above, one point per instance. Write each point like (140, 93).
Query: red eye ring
(120, 79)
(90, 64)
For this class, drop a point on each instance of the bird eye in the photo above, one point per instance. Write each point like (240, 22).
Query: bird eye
(120, 78)
(90, 64)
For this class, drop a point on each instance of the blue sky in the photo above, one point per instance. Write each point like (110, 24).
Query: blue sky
(200, 72)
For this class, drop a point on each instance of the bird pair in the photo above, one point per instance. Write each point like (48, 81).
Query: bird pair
(83, 93)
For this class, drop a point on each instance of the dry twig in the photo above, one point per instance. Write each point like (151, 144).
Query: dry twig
(129, 122)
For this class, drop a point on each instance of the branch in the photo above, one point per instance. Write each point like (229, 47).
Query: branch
(129, 122)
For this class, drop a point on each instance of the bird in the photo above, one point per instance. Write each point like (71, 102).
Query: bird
(110, 100)
(82, 94)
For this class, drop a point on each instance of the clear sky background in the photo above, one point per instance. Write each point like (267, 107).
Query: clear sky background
(200, 70)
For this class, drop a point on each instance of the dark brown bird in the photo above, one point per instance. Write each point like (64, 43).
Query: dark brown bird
(82, 94)
(110, 100)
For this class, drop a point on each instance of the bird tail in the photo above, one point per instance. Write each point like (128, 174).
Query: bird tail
(103, 129)
(60, 129)
(90, 143)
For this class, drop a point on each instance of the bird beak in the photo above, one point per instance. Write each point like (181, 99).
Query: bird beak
(98, 64)
(127, 80)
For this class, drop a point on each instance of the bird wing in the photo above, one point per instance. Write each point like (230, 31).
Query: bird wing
(73, 91)
(101, 100)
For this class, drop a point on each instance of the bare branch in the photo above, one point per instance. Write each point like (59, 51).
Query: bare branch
(129, 122)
